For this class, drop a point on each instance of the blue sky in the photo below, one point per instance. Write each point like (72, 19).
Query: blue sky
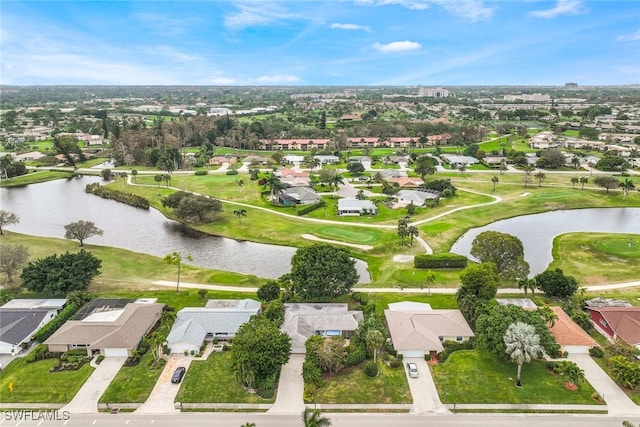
(340, 42)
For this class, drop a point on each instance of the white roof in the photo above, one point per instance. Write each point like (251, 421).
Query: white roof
(350, 203)
(29, 304)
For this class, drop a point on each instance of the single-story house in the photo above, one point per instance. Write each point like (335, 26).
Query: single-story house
(359, 159)
(391, 173)
(293, 158)
(354, 207)
(219, 319)
(569, 334)
(617, 322)
(302, 321)
(257, 160)
(395, 159)
(110, 327)
(494, 161)
(220, 160)
(293, 178)
(20, 319)
(327, 159)
(606, 302)
(416, 329)
(406, 181)
(456, 161)
(30, 156)
(543, 140)
(418, 197)
(298, 196)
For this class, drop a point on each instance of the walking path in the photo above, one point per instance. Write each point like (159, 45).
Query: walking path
(86, 399)
(351, 245)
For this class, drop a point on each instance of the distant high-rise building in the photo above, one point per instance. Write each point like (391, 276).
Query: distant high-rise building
(571, 85)
(433, 92)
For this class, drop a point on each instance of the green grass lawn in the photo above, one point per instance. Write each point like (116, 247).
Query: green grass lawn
(212, 380)
(353, 386)
(471, 376)
(33, 383)
(132, 384)
(33, 178)
(596, 258)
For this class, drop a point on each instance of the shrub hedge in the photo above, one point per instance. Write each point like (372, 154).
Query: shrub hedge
(47, 330)
(445, 260)
(310, 208)
(117, 195)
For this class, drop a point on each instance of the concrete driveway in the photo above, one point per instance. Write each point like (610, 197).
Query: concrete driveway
(86, 400)
(423, 390)
(290, 388)
(162, 397)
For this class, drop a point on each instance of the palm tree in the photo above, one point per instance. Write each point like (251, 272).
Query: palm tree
(314, 418)
(158, 179)
(240, 213)
(274, 184)
(175, 258)
(123, 175)
(574, 181)
(402, 230)
(527, 284)
(248, 424)
(430, 280)
(527, 172)
(548, 315)
(240, 183)
(412, 231)
(523, 344)
(573, 373)
(134, 174)
(155, 341)
(583, 181)
(374, 340)
(540, 176)
(335, 180)
(495, 181)
(627, 185)
(167, 178)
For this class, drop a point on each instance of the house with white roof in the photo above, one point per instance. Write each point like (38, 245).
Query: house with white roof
(219, 319)
(327, 159)
(20, 319)
(354, 207)
(417, 197)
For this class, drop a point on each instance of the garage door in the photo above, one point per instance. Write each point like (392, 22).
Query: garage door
(413, 353)
(115, 352)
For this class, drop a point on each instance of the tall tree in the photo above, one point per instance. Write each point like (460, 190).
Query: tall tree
(528, 285)
(313, 418)
(607, 182)
(522, 344)
(374, 340)
(273, 183)
(555, 284)
(479, 285)
(495, 181)
(583, 181)
(81, 231)
(239, 213)
(503, 250)
(627, 185)
(574, 181)
(12, 258)
(7, 218)
(425, 165)
(322, 272)
(412, 232)
(540, 176)
(59, 275)
(175, 258)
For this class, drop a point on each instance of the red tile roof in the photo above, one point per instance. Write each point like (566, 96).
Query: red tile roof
(625, 321)
(567, 332)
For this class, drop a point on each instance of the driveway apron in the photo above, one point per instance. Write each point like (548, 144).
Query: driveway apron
(423, 389)
(290, 388)
(86, 400)
(162, 397)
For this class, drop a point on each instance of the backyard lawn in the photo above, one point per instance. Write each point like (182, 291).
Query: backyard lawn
(33, 383)
(212, 380)
(353, 386)
(467, 374)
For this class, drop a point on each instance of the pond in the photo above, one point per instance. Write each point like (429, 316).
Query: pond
(538, 231)
(45, 208)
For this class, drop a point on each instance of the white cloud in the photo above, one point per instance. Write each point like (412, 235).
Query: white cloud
(629, 37)
(256, 14)
(562, 7)
(279, 79)
(400, 46)
(338, 26)
(409, 4)
(469, 10)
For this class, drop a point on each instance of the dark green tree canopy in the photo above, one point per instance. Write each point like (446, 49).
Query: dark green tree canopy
(555, 284)
(492, 325)
(503, 250)
(58, 275)
(269, 291)
(479, 286)
(81, 231)
(192, 207)
(607, 182)
(322, 272)
(260, 347)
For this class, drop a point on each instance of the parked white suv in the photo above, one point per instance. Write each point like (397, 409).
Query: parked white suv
(413, 369)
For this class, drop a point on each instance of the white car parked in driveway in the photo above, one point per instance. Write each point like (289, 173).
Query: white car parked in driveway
(413, 369)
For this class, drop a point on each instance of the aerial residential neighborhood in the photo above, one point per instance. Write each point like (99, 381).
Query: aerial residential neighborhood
(355, 213)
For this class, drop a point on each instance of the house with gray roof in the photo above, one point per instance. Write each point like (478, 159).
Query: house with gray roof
(302, 321)
(298, 196)
(112, 330)
(417, 330)
(391, 173)
(456, 161)
(20, 319)
(327, 159)
(359, 159)
(419, 198)
(354, 207)
(219, 319)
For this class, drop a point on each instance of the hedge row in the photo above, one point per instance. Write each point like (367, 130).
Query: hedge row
(310, 208)
(119, 196)
(446, 260)
(47, 330)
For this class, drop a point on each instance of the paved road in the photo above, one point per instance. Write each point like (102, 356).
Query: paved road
(290, 388)
(337, 420)
(86, 399)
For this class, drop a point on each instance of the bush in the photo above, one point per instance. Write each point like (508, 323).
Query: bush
(99, 359)
(596, 352)
(232, 172)
(451, 347)
(309, 208)
(445, 260)
(117, 195)
(371, 369)
(47, 330)
(355, 355)
(200, 173)
(395, 363)
(311, 373)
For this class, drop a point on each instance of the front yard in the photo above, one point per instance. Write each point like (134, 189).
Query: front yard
(353, 386)
(472, 376)
(22, 382)
(212, 381)
(132, 384)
